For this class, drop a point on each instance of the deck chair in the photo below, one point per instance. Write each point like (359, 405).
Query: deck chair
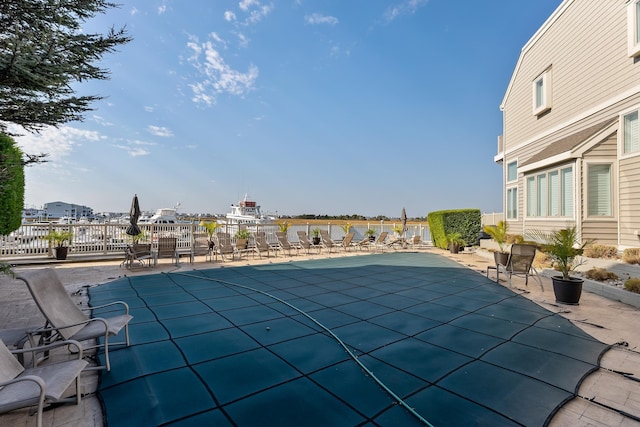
(39, 385)
(519, 263)
(65, 320)
(326, 241)
(285, 245)
(305, 243)
(346, 242)
(137, 254)
(261, 244)
(200, 247)
(167, 248)
(380, 241)
(224, 246)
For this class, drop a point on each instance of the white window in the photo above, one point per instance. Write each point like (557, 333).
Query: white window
(550, 193)
(542, 92)
(599, 190)
(631, 133)
(633, 28)
(512, 171)
(512, 203)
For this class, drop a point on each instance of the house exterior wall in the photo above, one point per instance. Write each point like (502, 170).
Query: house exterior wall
(583, 49)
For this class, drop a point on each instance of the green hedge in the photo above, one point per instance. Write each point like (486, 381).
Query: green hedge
(467, 222)
(11, 185)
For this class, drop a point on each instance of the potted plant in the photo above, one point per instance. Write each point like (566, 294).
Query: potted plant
(498, 233)
(60, 241)
(455, 242)
(371, 234)
(346, 227)
(210, 227)
(284, 226)
(316, 236)
(564, 248)
(242, 238)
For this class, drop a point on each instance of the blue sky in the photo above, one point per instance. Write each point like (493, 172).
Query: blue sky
(309, 106)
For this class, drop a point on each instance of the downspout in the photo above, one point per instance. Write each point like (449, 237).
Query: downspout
(577, 198)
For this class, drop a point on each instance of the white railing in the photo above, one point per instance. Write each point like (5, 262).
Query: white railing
(110, 239)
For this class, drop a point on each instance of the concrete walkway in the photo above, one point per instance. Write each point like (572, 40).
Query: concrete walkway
(605, 396)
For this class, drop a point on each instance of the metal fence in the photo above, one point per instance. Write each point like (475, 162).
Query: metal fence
(110, 239)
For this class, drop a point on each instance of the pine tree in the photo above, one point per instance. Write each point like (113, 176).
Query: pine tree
(43, 51)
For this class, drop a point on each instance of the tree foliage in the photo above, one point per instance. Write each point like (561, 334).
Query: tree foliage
(11, 185)
(43, 51)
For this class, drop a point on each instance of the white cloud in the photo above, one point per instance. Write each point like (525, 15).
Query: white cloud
(246, 4)
(148, 108)
(217, 76)
(243, 40)
(317, 18)
(229, 16)
(134, 11)
(159, 131)
(136, 148)
(57, 142)
(406, 7)
(100, 120)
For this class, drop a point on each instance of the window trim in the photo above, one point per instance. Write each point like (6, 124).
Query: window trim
(509, 190)
(547, 82)
(507, 171)
(621, 133)
(587, 166)
(534, 178)
(633, 28)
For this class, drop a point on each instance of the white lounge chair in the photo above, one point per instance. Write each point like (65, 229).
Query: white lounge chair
(65, 320)
(39, 385)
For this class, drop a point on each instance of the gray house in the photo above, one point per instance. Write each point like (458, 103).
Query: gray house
(570, 148)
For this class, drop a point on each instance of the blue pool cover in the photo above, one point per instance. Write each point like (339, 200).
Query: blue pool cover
(396, 339)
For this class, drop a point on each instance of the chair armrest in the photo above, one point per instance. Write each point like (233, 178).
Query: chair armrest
(48, 347)
(126, 306)
(39, 382)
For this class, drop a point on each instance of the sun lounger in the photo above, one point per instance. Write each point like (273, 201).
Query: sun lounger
(284, 243)
(224, 246)
(64, 320)
(262, 245)
(326, 241)
(39, 385)
(167, 249)
(305, 243)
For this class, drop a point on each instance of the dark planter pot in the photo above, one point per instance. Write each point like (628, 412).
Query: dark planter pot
(211, 244)
(567, 291)
(316, 240)
(61, 252)
(372, 238)
(453, 248)
(501, 258)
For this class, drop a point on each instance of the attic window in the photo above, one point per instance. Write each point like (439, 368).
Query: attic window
(542, 92)
(633, 28)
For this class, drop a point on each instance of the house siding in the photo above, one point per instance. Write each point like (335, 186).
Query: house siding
(593, 80)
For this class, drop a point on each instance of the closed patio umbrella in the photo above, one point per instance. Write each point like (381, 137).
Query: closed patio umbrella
(134, 214)
(403, 219)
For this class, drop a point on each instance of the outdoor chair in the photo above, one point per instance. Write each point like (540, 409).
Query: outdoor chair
(65, 320)
(261, 244)
(167, 249)
(200, 247)
(346, 242)
(224, 246)
(305, 243)
(326, 241)
(285, 245)
(519, 263)
(397, 241)
(137, 254)
(38, 385)
(380, 241)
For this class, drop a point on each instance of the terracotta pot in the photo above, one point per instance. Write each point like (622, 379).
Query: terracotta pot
(567, 291)
(453, 248)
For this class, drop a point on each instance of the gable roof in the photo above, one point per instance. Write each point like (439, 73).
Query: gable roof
(565, 148)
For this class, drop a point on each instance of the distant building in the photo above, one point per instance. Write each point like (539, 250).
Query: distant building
(57, 210)
(570, 149)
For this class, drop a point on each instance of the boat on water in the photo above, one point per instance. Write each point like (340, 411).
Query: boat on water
(162, 216)
(247, 212)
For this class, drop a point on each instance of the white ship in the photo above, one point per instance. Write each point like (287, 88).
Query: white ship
(247, 212)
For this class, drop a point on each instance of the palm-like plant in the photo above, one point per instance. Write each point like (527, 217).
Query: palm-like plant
(284, 226)
(210, 227)
(498, 233)
(346, 227)
(563, 246)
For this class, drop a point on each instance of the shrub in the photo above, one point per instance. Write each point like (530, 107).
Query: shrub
(514, 238)
(600, 251)
(632, 285)
(631, 256)
(600, 274)
(542, 260)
